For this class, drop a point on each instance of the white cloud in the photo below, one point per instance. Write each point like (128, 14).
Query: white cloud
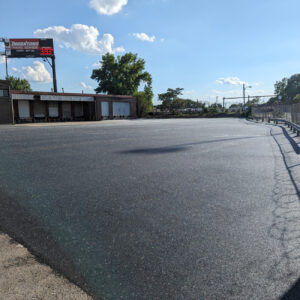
(144, 37)
(108, 7)
(97, 65)
(231, 81)
(37, 72)
(85, 86)
(216, 92)
(79, 37)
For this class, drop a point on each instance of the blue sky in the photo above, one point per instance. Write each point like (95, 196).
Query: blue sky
(209, 48)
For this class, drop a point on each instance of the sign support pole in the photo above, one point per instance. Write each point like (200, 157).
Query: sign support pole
(54, 74)
(6, 66)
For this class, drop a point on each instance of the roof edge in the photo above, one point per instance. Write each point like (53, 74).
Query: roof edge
(70, 94)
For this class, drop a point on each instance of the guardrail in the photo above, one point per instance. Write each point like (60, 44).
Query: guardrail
(291, 125)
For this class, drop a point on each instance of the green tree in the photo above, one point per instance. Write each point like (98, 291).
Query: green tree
(233, 105)
(293, 87)
(287, 88)
(170, 96)
(180, 103)
(17, 83)
(144, 101)
(122, 75)
(255, 100)
(297, 98)
(280, 88)
(215, 108)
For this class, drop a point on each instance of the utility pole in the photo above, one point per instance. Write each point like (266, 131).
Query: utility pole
(223, 102)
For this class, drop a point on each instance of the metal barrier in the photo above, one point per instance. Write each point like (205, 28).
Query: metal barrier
(291, 125)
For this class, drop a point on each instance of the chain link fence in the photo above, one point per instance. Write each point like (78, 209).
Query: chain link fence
(288, 112)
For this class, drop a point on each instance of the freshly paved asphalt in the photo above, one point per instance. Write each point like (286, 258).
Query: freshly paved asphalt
(157, 209)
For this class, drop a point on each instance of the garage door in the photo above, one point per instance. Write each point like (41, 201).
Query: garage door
(66, 111)
(24, 111)
(53, 109)
(104, 109)
(39, 109)
(121, 109)
(78, 109)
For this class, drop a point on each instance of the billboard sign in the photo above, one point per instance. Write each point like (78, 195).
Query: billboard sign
(29, 48)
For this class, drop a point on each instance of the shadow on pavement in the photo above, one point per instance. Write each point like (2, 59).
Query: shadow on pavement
(182, 147)
(293, 293)
(21, 227)
(291, 140)
(165, 150)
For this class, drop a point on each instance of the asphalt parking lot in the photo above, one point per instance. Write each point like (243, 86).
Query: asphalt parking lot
(157, 209)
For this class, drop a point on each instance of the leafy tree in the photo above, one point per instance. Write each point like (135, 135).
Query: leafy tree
(144, 101)
(287, 88)
(214, 108)
(273, 100)
(293, 87)
(168, 97)
(255, 100)
(280, 87)
(122, 75)
(17, 83)
(180, 103)
(297, 98)
(233, 105)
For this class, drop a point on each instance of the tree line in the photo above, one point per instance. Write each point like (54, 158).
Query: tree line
(287, 90)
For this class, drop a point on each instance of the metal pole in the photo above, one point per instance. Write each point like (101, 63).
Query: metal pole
(6, 65)
(12, 105)
(54, 74)
(244, 93)
(224, 102)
